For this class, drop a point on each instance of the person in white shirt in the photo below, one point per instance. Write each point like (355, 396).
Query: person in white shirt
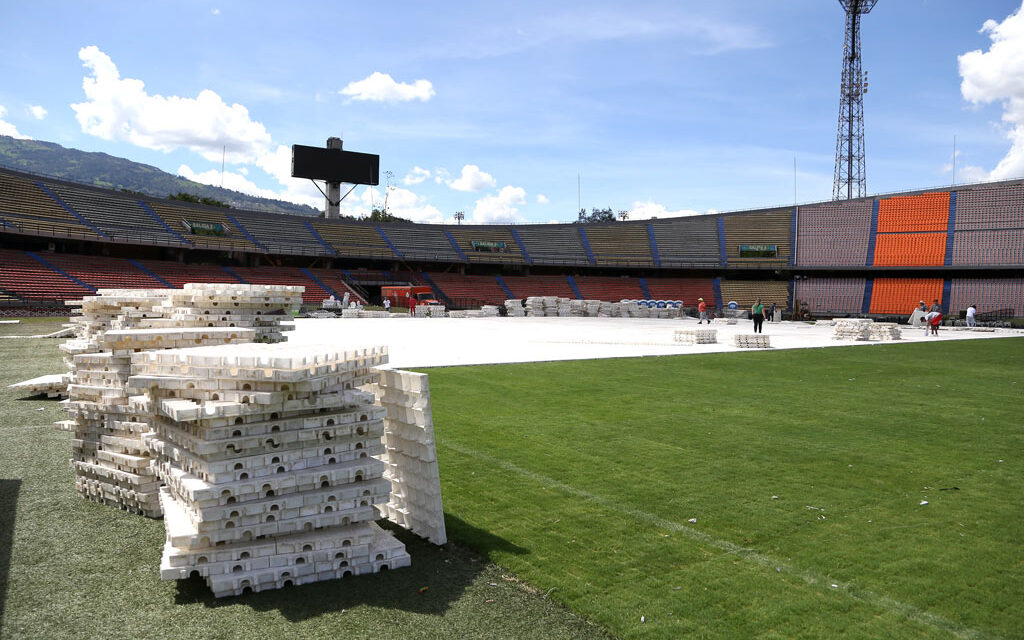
(387, 304)
(971, 312)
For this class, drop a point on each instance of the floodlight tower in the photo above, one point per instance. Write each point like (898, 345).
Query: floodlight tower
(849, 173)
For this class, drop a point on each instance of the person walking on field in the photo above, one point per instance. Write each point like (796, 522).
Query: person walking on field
(972, 311)
(703, 309)
(757, 313)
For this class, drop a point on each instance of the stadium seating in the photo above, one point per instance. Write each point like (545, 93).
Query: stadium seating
(175, 214)
(350, 238)
(620, 243)
(27, 278)
(179, 274)
(746, 292)
(421, 242)
(338, 282)
(902, 295)
(104, 273)
(29, 209)
(910, 249)
(470, 291)
(759, 228)
(526, 286)
(490, 240)
(834, 233)
(122, 219)
(923, 212)
(987, 294)
(609, 289)
(687, 242)
(985, 207)
(831, 296)
(685, 289)
(280, 233)
(553, 244)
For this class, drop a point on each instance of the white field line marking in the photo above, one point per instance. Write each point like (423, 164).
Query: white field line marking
(810, 577)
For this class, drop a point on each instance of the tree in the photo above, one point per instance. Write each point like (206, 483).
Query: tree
(596, 215)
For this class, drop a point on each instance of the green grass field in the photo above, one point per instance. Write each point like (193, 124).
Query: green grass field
(762, 494)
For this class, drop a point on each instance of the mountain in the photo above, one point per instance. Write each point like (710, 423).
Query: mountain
(103, 170)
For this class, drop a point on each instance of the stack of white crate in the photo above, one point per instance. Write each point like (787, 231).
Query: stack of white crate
(411, 454)
(851, 329)
(489, 311)
(885, 331)
(260, 307)
(696, 336)
(267, 456)
(515, 308)
(751, 341)
(53, 385)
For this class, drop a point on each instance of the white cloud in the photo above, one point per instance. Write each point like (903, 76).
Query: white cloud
(500, 208)
(644, 210)
(473, 179)
(416, 176)
(542, 199)
(8, 129)
(997, 75)
(442, 176)
(401, 202)
(119, 108)
(37, 111)
(215, 11)
(381, 87)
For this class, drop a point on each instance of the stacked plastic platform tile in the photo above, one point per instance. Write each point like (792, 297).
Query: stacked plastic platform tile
(696, 336)
(751, 341)
(267, 453)
(411, 455)
(111, 460)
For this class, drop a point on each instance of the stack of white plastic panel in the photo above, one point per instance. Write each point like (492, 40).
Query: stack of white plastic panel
(411, 454)
(696, 336)
(53, 385)
(515, 308)
(436, 311)
(260, 307)
(851, 329)
(751, 341)
(267, 456)
(885, 331)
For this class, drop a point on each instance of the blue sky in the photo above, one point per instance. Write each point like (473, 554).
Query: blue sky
(657, 108)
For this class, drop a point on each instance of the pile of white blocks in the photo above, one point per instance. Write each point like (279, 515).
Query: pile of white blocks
(721, 320)
(885, 331)
(268, 457)
(751, 341)
(411, 454)
(361, 313)
(696, 336)
(110, 458)
(430, 311)
(515, 309)
(489, 311)
(863, 329)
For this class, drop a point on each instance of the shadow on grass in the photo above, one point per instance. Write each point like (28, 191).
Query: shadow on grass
(8, 507)
(446, 572)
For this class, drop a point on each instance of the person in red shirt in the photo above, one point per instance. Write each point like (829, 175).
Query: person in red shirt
(703, 309)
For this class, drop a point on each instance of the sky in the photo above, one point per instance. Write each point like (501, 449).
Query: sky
(523, 112)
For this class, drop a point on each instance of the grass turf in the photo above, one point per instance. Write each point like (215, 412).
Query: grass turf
(580, 478)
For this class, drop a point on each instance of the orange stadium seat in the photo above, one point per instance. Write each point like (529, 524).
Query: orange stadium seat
(910, 249)
(902, 295)
(923, 212)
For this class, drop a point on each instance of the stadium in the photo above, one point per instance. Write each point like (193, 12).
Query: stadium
(600, 479)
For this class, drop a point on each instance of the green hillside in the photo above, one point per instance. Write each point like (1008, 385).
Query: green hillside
(103, 170)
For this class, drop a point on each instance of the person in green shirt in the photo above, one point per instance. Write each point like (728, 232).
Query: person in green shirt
(757, 313)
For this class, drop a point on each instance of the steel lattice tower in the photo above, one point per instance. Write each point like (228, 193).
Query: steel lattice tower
(849, 174)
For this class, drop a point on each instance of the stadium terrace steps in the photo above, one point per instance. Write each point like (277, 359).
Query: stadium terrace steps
(492, 244)
(119, 218)
(553, 244)
(760, 228)
(422, 242)
(179, 215)
(610, 289)
(470, 291)
(29, 279)
(350, 238)
(27, 207)
(538, 286)
(685, 289)
(280, 233)
(834, 233)
(687, 242)
(620, 244)
(902, 295)
(828, 296)
(292, 276)
(746, 292)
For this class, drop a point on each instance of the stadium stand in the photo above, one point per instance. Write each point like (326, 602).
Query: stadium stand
(901, 295)
(30, 210)
(996, 247)
(422, 242)
(834, 233)
(687, 242)
(280, 233)
(746, 292)
(910, 249)
(121, 219)
(831, 296)
(553, 244)
(526, 286)
(28, 278)
(610, 289)
(338, 283)
(354, 239)
(620, 244)
(470, 291)
(987, 294)
(103, 272)
(179, 274)
(493, 244)
(922, 212)
(758, 230)
(685, 289)
(180, 216)
(985, 207)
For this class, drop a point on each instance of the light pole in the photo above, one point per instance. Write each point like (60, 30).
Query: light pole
(460, 216)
